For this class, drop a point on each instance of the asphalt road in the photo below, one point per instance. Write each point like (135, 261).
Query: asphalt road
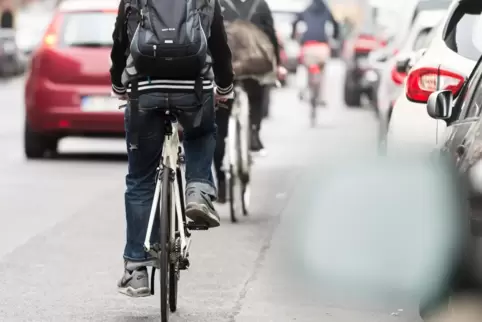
(61, 239)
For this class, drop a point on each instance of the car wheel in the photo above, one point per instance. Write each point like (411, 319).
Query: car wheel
(37, 144)
(351, 95)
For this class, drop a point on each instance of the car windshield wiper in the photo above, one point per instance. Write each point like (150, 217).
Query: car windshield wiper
(89, 44)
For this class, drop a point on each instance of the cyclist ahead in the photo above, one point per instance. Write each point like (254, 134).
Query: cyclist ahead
(165, 64)
(257, 13)
(315, 40)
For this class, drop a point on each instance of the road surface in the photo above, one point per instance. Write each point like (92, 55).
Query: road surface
(63, 226)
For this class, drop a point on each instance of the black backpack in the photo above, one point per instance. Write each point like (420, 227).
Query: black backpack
(168, 38)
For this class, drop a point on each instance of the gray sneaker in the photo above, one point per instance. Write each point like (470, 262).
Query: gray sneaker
(200, 208)
(135, 283)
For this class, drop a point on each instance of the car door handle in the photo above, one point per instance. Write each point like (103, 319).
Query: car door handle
(461, 149)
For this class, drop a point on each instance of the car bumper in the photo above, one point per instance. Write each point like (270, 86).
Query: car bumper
(71, 121)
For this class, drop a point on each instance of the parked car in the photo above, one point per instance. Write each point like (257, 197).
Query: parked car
(394, 71)
(448, 60)
(401, 25)
(67, 89)
(462, 146)
(11, 63)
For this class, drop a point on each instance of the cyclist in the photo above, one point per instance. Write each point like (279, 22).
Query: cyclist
(263, 19)
(199, 135)
(315, 40)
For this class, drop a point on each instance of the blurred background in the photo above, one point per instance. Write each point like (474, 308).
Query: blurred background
(368, 212)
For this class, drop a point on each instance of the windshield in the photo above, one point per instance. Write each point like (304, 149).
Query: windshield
(91, 29)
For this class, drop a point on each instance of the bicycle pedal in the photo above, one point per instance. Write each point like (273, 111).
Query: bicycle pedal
(197, 226)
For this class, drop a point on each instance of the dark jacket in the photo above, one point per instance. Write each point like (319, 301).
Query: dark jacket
(262, 18)
(315, 17)
(218, 48)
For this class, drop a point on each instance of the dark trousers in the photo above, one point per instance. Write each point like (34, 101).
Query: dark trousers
(257, 98)
(199, 144)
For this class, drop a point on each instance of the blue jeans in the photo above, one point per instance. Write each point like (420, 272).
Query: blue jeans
(199, 143)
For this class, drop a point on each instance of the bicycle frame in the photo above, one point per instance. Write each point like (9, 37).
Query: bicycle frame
(171, 150)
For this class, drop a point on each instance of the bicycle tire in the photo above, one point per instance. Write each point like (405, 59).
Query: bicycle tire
(232, 201)
(164, 233)
(244, 196)
(243, 177)
(174, 272)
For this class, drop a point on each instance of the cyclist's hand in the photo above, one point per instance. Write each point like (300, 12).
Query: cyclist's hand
(282, 72)
(223, 98)
(123, 97)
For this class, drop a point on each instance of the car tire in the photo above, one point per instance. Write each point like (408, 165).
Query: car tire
(36, 145)
(351, 95)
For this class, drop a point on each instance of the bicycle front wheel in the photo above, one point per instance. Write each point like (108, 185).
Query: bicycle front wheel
(164, 233)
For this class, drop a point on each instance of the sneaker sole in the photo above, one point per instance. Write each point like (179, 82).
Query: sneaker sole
(198, 213)
(132, 292)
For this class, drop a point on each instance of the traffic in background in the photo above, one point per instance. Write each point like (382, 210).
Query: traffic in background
(353, 220)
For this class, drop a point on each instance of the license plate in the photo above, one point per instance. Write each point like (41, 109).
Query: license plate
(101, 104)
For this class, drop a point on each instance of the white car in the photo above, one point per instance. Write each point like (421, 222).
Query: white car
(393, 72)
(448, 60)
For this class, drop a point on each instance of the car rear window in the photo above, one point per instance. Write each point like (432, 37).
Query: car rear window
(88, 29)
(463, 30)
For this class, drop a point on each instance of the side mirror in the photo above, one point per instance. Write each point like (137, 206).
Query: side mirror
(402, 64)
(439, 105)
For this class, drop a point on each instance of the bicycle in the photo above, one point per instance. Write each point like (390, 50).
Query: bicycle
(314, 85)
(313, 57)
(168, 205)
(238, 160)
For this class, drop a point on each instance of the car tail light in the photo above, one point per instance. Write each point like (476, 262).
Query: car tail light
(424, 81)
(50, 38)
(366, 43)
(398, 77)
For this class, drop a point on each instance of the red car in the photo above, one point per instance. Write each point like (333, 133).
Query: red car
(67, 91)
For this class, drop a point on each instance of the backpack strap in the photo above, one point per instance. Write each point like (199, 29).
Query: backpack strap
(232, 6)
(252, 10)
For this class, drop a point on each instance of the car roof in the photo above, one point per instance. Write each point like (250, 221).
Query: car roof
(88, 5)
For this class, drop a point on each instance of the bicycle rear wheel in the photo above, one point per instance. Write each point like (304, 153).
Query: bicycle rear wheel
(174, 269)
(164, 255)
(232, 194)
(314, 96)
(243, 172)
